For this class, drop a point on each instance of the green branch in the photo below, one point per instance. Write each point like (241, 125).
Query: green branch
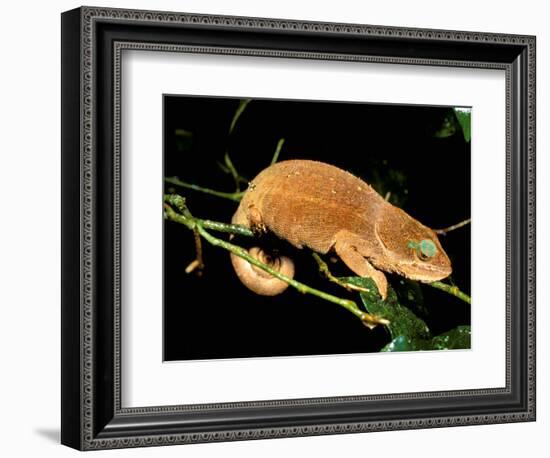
(451, 290)
(227, 228)
(240, 109)
(233, 171)
(234, 196)
(227, 159)
(278, 148)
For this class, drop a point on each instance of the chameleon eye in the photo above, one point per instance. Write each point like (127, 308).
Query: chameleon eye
(424, 250)
(427, 248)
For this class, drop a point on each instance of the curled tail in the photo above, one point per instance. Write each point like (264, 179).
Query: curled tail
(258, 280)
(254, 278)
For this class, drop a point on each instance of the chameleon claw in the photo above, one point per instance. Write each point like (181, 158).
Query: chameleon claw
(352, 287)
(323, 268)
(371, 321)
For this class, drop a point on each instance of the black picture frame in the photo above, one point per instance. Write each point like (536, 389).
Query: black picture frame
(92, 40)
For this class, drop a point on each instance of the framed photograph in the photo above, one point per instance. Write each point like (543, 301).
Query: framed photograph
(276, 228)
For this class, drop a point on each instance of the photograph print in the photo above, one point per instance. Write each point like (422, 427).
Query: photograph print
(303, 227)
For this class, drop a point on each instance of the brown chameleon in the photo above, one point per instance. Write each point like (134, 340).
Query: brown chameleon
(319, 206)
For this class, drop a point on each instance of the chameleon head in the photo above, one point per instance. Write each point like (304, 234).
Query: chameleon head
(412, 249)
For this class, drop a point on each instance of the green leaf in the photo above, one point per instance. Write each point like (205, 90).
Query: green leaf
(455, 119)
(184, 139)
(448, 128)
(403, 343)
(458, 338)
(183, 133)
(464, 119)
(403, 322)
(409, 294)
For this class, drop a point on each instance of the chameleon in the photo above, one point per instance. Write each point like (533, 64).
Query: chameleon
(326, 209)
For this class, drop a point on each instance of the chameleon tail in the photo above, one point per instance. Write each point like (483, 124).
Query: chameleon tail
(258, 280)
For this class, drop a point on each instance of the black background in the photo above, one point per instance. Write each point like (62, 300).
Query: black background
(392, 147)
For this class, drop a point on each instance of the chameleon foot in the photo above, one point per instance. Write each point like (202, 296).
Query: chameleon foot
(324, 269)
(361, 266)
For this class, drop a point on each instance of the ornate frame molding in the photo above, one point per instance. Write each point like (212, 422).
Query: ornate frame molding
(92, 432)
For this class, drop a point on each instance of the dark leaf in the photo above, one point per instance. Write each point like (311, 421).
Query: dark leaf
(464, 116)
(458, 338)
(184, 140)
(409, 294)
(448, 127)
(403, 322)
(403, 343)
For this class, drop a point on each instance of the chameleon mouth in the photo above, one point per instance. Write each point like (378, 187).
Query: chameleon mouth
(431, 273)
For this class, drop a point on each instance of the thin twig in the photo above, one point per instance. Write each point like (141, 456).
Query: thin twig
(236, 176)
(453, 227)
(451, 290)
(234, 196)
(278, 148)
(223, 167)
(194, 264)
(323, 268)
(242, 106)
(228, 163)
(233, 172)
(192, 223)
(198, 262)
